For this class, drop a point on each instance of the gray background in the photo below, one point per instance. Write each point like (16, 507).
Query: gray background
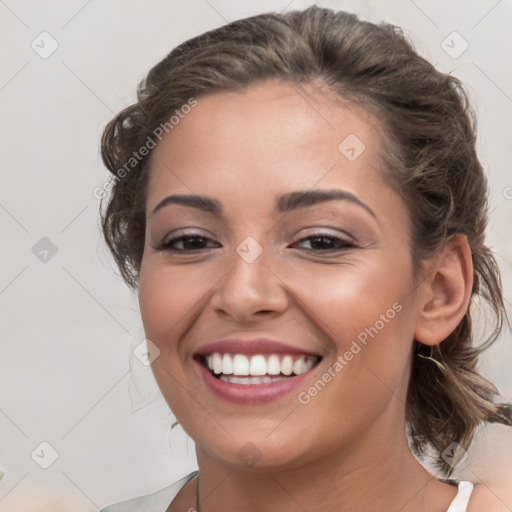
(68, 324)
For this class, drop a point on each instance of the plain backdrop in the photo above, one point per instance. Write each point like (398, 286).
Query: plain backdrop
(69, 378)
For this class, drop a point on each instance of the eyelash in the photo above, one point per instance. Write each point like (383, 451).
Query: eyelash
(166, 245)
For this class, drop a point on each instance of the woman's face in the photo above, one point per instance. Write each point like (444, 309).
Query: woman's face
(326, 280)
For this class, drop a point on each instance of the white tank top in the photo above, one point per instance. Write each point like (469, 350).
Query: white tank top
(461, 501)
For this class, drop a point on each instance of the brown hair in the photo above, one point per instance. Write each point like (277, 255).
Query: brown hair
(433, 165)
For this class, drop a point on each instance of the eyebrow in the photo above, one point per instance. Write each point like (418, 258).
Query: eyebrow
(284, 203)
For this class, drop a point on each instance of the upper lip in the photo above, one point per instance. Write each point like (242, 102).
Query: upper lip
(251, 347)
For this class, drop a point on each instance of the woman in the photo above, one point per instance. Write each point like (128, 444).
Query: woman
(298, 203)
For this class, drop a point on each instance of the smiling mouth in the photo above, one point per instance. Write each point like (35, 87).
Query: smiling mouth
(256, 369)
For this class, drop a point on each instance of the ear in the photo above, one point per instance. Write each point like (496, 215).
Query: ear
(445, 292)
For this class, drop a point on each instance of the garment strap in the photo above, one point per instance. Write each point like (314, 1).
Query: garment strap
(461, 501)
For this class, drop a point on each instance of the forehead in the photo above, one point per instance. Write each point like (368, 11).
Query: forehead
(270, 136)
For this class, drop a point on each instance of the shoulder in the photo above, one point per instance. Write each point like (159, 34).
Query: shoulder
(497, 498)
(157, 501)
(143, 502)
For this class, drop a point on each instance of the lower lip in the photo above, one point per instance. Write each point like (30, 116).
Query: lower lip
(252, 393)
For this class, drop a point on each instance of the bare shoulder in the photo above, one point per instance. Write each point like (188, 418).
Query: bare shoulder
(491, 498)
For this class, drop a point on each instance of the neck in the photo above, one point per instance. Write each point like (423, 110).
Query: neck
(381, 470)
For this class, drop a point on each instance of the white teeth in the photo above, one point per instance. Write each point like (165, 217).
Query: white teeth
(299, 366)
(240, 365)
(310, 362)
(273, 365)
(258, 365)
(287, 365)
(217, 363)
(250, 380)
(227, 365)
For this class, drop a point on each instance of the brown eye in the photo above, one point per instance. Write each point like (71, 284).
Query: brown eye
(324, 243)
(184, 243)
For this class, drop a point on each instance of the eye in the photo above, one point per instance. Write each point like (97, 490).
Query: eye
(194, 243)
(185, 244)
(322, 242)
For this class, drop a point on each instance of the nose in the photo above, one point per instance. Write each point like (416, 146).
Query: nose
(250, 290)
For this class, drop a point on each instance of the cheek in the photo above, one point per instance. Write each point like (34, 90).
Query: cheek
(365, 313)
(167, 298)
(346, 300)
(369, 327)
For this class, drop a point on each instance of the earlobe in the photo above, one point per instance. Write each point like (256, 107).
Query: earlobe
(447, 291)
